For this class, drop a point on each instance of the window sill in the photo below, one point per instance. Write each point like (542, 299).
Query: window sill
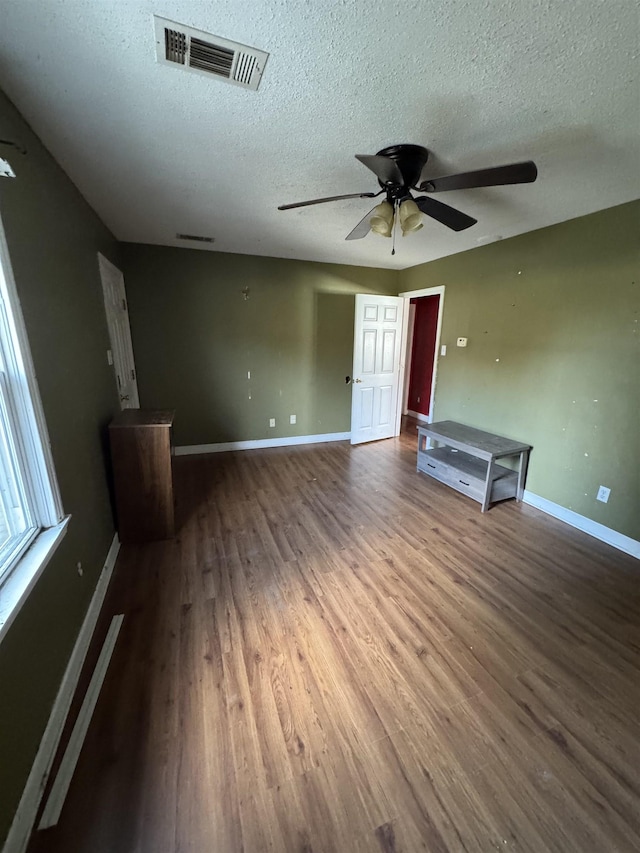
(15, 590)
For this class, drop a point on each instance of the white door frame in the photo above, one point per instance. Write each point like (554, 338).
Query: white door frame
(405, 362)
(408, 355)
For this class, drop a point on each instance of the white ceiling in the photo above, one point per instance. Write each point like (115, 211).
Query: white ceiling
(158, 151)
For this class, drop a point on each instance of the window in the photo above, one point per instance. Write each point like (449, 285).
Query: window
(17, 525)
(31, 516)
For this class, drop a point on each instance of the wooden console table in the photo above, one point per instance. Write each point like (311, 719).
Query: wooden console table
(467, 461)
(141, 459)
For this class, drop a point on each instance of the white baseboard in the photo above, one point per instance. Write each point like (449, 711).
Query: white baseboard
(424, 419)
(60, 787)
(289, 441)
(587, 525)
(25, 816)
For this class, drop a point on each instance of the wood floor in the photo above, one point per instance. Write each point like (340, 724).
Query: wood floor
(337, 653)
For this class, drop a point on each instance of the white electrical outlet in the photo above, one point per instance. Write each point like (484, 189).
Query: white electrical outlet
(292, 419)
(272, 422)
(603, 494)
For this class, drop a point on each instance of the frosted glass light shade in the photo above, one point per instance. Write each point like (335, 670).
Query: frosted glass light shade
(381, 221)
(410, 217)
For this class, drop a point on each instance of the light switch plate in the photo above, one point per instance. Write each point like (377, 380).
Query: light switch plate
(461, 342)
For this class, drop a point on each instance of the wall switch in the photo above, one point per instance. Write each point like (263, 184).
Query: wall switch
(292, 419)
(272, 422)
(443, 349)
(461, 342)
(603, 494)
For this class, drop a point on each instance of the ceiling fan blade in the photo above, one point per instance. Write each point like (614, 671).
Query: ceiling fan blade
(448, 216)
(362, 228)
(328, 198)
(384, 168)
(514, 173)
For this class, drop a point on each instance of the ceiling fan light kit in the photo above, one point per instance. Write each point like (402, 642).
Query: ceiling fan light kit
(410, 217)
(398, 169)
(381, 221)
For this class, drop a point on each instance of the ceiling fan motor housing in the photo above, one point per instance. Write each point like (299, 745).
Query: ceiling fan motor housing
(411, 160)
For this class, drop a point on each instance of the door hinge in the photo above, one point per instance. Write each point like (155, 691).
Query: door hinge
(133, 374)
(119, 383)
(124, 304)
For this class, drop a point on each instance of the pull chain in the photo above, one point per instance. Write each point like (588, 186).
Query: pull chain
(395, 226)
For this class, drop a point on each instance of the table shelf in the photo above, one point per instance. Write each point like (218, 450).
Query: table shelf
(467, 461)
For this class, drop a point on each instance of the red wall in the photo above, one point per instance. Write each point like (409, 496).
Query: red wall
(423, 353)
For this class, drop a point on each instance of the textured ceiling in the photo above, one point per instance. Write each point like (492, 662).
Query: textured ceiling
(158, 151)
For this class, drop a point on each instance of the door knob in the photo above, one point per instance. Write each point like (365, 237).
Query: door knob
(123, 398)
(357, 380)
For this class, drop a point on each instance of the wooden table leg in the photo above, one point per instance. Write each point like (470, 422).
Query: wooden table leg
(487, 486)
(522, 473)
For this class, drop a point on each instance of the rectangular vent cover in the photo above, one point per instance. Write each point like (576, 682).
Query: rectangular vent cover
(195, 237)
(203, 53)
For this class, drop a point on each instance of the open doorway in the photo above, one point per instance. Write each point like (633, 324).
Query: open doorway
(424, 319)
(422, 349)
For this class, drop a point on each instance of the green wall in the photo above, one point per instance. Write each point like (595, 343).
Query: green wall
(553, 355)
(53, 237)
(553, 359)
(196, 338)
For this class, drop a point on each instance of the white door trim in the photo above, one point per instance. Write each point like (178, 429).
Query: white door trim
(408, 295)
(408, 355)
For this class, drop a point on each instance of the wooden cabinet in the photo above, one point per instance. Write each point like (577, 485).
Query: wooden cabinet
(466, 461)
(141, 459)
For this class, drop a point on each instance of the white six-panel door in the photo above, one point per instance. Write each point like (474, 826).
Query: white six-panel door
(376, 367)
(115, 303)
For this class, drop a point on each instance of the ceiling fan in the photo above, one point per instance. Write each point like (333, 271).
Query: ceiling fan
(399, 170)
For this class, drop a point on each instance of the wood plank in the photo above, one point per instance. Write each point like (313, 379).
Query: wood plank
(336, 653)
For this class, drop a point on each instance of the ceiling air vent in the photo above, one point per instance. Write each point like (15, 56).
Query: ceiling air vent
(203, 53)
(196, 237)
